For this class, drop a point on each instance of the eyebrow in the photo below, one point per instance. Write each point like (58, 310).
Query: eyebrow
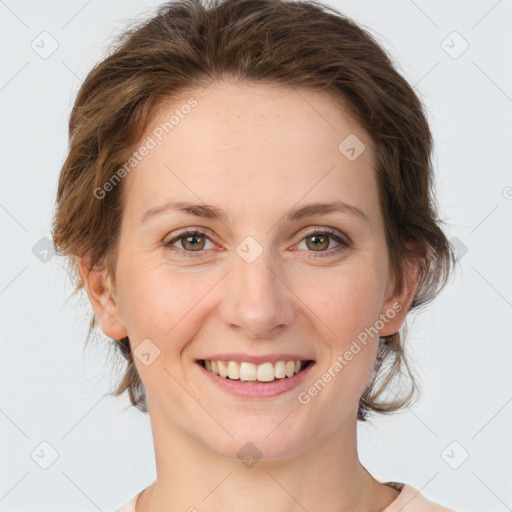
(212, 212)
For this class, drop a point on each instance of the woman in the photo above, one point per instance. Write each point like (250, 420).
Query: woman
(248, 202)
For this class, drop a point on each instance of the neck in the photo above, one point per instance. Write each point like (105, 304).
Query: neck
(322, 476)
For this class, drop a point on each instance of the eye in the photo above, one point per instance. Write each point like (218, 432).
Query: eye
(192, 241)
(318, 241)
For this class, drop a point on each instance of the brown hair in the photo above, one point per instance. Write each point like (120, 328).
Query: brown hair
(189, 43)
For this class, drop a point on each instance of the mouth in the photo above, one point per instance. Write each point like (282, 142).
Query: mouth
(242, 380)
(250, 373)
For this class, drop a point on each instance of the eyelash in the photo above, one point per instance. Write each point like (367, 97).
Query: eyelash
(344, 242)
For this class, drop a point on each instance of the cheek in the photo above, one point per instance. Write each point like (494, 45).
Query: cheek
(161, 305)
(348, 300)
(147, 303)
(347, 305)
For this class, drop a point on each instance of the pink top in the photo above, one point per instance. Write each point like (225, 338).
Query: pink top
(409, 500)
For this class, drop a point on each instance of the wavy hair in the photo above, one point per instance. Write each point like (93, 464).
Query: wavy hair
(187, 44)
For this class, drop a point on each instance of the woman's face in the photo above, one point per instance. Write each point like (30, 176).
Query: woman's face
(256, 281)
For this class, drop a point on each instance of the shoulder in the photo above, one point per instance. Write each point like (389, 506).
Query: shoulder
(130, 505)
(410, 500)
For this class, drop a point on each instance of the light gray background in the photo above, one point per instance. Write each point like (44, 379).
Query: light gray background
(461, 346)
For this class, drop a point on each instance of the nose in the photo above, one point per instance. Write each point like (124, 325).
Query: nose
(257, 300)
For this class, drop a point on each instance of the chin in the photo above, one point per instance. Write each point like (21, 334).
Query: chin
(264, 440)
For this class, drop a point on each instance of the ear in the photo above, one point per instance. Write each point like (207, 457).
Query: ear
(100, 291)
(398, 300)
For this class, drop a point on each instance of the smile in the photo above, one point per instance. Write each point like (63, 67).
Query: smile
(250, 372)
(230, 381)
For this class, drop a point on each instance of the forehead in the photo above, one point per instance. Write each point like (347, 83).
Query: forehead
(269, 144)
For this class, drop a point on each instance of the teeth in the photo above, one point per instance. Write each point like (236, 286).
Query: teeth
(249, 371)
(233, 370)
(280, 368)
(265, 372)
(223, 368)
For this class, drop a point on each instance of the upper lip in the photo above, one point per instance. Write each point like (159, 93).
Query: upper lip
(273, 358)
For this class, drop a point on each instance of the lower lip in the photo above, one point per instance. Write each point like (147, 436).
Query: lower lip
(258, 390)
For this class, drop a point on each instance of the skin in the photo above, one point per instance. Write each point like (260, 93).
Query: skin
(256, 151)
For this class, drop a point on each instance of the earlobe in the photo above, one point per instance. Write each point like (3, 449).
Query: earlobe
(99, 290)
(397, 305)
